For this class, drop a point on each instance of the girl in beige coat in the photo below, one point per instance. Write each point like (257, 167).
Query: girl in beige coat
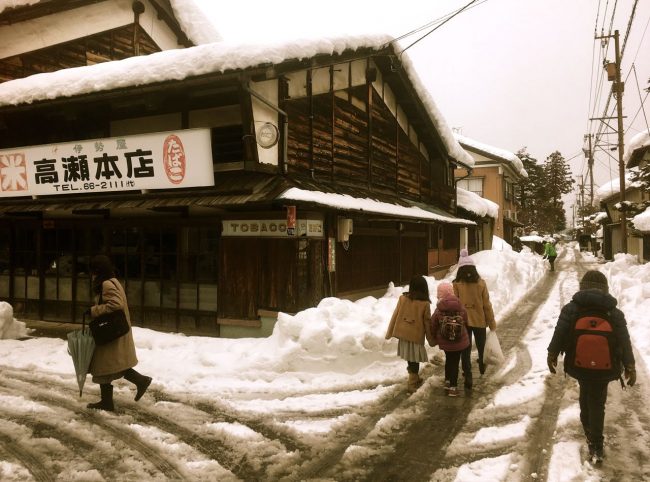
(410, 324)
(473, 293)
(116, 359)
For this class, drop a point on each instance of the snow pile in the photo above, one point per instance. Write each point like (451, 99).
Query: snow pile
(10, 328)
(629, 283)
(639, 141)
(194, 22)
(344, 328)
(474, 203)
(508, 275)
(642, 221)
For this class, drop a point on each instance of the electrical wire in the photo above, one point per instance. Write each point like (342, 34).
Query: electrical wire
(638, 87)
(458, 12)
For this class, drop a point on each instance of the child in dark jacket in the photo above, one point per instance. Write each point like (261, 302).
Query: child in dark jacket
(450, 306)
(593, 295)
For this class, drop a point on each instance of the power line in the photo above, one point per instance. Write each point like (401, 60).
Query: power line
(638, 87)
(458, 12)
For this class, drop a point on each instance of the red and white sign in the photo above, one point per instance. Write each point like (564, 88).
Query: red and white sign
(162, 160)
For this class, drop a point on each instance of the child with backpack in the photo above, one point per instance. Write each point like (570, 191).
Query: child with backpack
(592, 334)
(449, 328)
(410, 324)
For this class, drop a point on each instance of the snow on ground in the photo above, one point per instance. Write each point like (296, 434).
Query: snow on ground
(334, 355)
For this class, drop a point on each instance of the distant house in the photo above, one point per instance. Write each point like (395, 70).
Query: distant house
(227, 182)
(637, 155)
(484, 212)
(495, 176)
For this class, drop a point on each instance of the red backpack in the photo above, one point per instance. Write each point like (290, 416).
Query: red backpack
(451, 325)
(593, 352)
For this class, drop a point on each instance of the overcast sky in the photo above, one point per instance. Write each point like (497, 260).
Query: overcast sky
(509, 73)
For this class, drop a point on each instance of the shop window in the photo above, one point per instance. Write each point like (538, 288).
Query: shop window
(227, 144)
(451, 236)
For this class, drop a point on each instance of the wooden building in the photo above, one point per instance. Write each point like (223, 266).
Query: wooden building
(226, 182)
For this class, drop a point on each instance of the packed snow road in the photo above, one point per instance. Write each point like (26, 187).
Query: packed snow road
(518, 423)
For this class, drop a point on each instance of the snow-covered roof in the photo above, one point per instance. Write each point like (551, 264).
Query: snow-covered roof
(613, 187)
(192, 20)
(476, 204)
(502, 154)
(349, 203)
(599, 217)
(205, 59)
(5, 4)
(642, 221)
(639, 141)
(532, 238)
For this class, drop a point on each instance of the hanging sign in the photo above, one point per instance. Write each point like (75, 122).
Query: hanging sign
(162, 160)
(291, 220)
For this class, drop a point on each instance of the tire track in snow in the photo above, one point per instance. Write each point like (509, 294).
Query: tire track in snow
(541, 434)
(43, 429)
(238, 462)
(150, 454)
(320, 460)
(23, 455)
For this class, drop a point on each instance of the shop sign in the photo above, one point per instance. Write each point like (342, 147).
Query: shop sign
(162, 160)
(272, 228)
(291, 220)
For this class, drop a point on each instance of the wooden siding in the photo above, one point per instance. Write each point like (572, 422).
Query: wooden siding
(328, 140)
(112, 45)
(369, 262)
(272, 274)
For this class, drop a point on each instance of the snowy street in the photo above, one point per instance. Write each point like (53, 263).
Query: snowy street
(324, 398)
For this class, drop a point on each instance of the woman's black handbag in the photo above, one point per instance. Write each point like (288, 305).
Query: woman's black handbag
(109, 326)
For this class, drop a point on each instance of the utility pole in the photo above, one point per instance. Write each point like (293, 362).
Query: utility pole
(591, 173)
(582, 196)
(614, 73)
(618, 89)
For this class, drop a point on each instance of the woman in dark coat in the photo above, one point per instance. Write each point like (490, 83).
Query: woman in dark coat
(115, 359)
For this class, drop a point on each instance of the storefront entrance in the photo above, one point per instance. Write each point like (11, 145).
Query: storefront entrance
(169, 269)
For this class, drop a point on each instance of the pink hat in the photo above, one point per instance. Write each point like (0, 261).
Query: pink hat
(464, 259)
(445, 289)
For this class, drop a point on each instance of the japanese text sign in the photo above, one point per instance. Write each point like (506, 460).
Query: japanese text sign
(162, 160)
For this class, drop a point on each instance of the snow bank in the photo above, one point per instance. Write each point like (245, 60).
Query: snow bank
(10, 328)
(629, 283)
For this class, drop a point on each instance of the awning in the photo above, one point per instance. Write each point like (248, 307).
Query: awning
(238, 189)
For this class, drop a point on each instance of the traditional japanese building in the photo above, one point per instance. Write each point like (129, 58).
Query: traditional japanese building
(227, 182)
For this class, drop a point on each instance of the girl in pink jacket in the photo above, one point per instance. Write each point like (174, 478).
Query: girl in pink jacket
(449, 328)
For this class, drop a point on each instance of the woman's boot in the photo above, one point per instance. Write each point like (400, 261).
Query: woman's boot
(106, 403)
(140, 381)
(414, 382)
